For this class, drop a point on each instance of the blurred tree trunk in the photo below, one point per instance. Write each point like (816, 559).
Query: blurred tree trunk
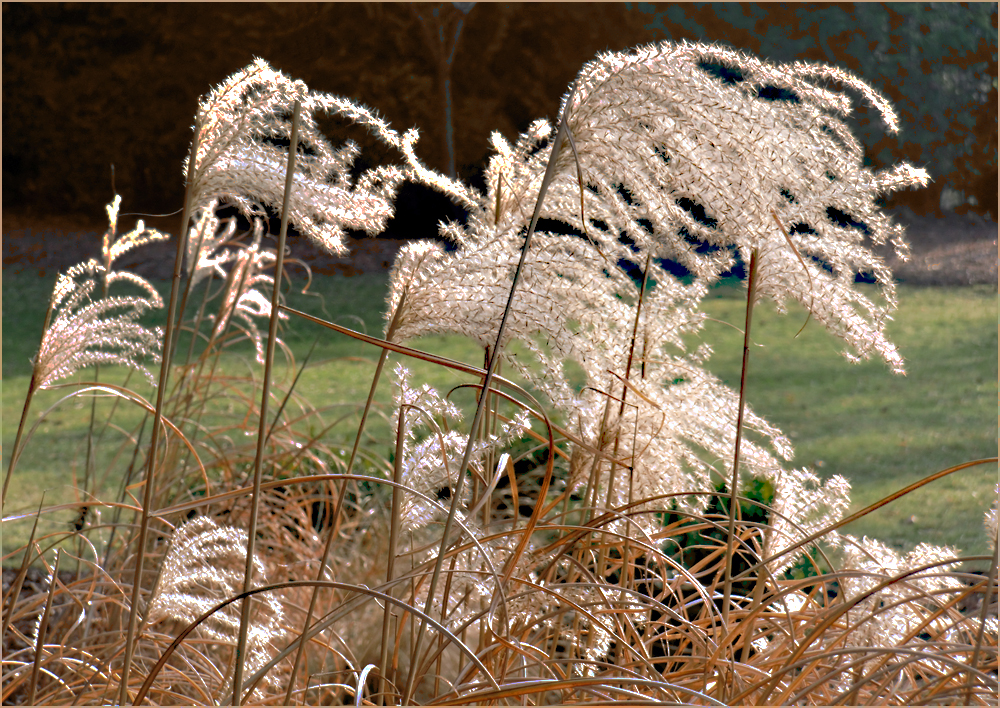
(441, 27)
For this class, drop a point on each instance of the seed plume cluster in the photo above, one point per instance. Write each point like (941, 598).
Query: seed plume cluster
(580, 545)
(83, 329)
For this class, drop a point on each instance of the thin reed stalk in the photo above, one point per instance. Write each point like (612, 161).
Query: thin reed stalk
(394, 529)
(727, 588)
(487, 383)
(991, 582)
(43, 626)
(338, 507)
(16, 447)
(265, 396)
(12, 594)
(32, 386)
(154, 436)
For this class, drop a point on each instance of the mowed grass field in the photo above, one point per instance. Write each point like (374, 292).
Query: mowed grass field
(879, 430)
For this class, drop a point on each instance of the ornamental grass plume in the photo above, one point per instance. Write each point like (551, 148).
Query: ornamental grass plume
(79, 332)
(591, 561)
(241, 135)
(901, 620)
(82, 334)
(702, 157)
(205, 253)
(113, 246)
(204, 566)
(432, 452)
(694, 151)
(685, 153)
(241, 301)
(866, 563)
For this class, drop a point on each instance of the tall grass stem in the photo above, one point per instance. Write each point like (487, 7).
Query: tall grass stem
(154, 436)
(727, 589)
(394, 527)
(15, 450)
(15, 587)
(43, 625)
(272, 336)
(487, 381)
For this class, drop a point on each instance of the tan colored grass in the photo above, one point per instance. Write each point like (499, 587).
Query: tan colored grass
(572, 545)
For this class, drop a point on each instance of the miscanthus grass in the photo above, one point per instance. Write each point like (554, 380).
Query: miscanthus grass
(613, 524)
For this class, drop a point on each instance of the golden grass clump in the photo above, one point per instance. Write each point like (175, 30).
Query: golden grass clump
(615, 525)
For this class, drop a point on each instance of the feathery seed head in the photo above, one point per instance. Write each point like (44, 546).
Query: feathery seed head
(113, 246)
(239, 298)
(203, 256)
(990, 520)
(80, 333)
(80, 337)
(678, 152)
(697, 152)
(803, 504)
(240, 158)
(205, 565)
(432, 453)
(889, 614)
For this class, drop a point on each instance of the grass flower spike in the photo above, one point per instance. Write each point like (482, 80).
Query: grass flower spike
(113, 246)
(692, 153)
(203, 567)
(240, 300)
(615, 525)
(81, 333)
(243, 129)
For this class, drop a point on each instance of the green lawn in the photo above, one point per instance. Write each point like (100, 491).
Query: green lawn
(879, 430)
(337, 380)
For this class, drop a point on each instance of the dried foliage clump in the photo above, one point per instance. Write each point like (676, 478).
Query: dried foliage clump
(619, 526)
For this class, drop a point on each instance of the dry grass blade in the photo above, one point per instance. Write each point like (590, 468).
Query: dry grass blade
(43, 625)
(384, 668)
(11, 596)
(15, 452)
(734, 479)
(627, 697)
(991, 584)
(265, 399)
(133, 618)
(331, 535)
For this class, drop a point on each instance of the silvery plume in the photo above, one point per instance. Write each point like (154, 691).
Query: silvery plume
(890, 615)
(677, 152)
(695, 153)
(205, 565)
(240, 156)
(432, 453)
(206, 246)
(241, 301)
(82, 328)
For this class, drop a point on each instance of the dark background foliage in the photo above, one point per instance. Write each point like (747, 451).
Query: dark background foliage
(87, 86)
